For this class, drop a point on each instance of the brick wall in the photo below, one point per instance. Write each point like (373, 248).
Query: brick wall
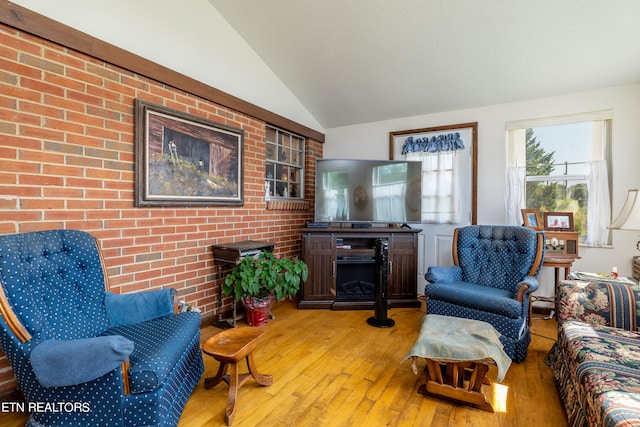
(67, 154)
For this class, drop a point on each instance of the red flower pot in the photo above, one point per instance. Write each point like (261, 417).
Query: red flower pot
(257, 310)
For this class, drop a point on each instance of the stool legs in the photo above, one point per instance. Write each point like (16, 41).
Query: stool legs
(235, 381)
(212, 381)
(262, 379)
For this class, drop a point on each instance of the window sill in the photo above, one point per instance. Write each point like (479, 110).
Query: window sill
(290, 205)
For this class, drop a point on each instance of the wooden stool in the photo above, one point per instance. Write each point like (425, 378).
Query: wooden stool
(229, 347)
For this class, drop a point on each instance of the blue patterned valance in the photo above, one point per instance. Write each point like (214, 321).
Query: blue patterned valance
(442, 142)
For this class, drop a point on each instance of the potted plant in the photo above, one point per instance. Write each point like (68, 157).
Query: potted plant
(261, 280)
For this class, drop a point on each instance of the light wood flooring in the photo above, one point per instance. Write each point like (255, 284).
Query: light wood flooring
(331, 368)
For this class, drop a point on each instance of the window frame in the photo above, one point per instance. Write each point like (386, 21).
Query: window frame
(274, 165)
(516, 152)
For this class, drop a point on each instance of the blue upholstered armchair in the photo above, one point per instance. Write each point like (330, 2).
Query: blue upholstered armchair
(494, 274)
(85, 356)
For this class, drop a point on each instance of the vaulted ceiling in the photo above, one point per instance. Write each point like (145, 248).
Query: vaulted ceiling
(357, 61)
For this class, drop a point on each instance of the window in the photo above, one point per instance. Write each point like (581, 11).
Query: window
(285, 164)
(565, 169)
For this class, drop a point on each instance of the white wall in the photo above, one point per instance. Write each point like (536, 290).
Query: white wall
(371, 141)
(166, 32)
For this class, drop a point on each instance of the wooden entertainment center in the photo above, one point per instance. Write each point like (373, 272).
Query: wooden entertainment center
(347, 256)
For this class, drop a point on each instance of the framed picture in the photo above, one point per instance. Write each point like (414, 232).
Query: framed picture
(531, 219)
(184, 160)
(558, 221)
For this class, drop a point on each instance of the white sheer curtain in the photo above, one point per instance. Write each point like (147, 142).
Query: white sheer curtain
(598, 207)
(515, 194)
(440, 187)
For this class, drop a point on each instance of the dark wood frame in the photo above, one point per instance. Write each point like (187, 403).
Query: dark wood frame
(474, 154)
(548, 216)
(219, 147)
(526, 219)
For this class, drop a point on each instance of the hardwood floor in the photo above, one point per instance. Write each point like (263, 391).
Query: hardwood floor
(331, 368)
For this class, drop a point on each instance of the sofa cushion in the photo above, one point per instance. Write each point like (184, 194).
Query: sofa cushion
(159, 343)
(602, 303)
(598, 370)
(483, 298)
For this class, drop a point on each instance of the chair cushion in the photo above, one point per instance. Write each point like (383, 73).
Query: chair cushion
(159, 343)
(483, 298)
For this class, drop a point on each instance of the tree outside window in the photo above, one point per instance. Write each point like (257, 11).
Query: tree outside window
(557, 169)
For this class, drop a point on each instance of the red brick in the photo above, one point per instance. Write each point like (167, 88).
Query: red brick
(61, 170)
(83, 225)
(64, 215)
(26, 227)
(43, 87)
(65, 82)
(100, 194)
(56, 55)
(101, 132)
(63, 103)
(68, 150)
(42, 180)
(84, 77)
(84, 205)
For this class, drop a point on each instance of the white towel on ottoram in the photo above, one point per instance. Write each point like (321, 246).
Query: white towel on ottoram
(445, 338)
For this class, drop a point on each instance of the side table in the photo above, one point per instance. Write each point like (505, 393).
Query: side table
(557, 264)
(232, 253)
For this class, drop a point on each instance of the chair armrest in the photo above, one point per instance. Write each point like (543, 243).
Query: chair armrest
(123, 309)
(449, 274)
(526, 286)
(602, 303)
(61, 363)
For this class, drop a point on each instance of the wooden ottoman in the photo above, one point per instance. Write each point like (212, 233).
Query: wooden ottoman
(229, 347)
(458, 351)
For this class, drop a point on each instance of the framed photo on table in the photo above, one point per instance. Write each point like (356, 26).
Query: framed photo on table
(558, 221)
(531, 219)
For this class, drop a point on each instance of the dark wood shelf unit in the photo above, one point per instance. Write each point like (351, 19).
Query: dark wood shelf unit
(321, 255)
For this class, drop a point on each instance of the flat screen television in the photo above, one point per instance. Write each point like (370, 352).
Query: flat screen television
(368, 191)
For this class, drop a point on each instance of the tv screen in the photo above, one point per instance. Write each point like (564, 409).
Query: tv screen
(375, 191)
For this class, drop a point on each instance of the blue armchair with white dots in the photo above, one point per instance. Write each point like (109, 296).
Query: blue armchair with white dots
(84, 356)
(494, 273)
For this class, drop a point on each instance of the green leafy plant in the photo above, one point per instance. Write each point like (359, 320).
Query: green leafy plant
(265, 275)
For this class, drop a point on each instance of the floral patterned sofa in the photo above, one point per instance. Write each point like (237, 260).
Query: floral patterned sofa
(596, 359)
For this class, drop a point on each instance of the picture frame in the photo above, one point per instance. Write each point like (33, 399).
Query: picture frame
(185, 160)
(531, 219)
(467, 132)
(558, 221)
